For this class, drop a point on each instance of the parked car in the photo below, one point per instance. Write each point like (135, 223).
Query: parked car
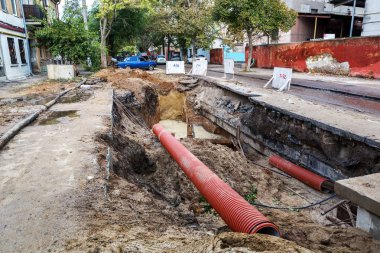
(136, 62)
(198, 57)
(176, 58)
(161, 59)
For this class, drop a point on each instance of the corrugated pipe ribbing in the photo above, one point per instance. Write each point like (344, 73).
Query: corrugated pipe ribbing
(238, 214)
(307, 177)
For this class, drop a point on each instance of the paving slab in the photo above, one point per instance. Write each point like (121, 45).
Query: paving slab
(363, 191)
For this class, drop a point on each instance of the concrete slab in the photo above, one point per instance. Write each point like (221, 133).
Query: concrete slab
(363, 191)
(342, 84)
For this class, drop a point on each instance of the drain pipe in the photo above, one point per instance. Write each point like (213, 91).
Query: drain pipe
(238, 214)
(305, 176)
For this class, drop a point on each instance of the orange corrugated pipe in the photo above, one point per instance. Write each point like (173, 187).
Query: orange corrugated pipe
(307, 177)
(238, 214)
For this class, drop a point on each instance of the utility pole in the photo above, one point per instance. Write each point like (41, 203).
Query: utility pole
(84, 13)
(353, 18)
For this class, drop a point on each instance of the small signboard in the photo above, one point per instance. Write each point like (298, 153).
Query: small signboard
(175, 67)
(199, 67)
(281, 79)
(229, 65)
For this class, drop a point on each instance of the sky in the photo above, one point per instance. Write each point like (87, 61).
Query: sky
(62, 3)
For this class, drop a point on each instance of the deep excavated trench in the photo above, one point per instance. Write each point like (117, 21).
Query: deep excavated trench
(156, 208)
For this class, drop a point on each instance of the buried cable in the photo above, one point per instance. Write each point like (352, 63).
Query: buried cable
(296, 208)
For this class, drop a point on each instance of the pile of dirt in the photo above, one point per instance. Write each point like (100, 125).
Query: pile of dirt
(129, 79)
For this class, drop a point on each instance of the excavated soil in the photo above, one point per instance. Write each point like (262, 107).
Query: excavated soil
(149, 205)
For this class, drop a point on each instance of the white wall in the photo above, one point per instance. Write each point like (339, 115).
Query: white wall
(18, 70)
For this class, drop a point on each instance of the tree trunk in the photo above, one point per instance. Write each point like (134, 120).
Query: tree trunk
(249, 34)
(103, 42)
(84, 13)
(193, 49)
(163, 45)
(168, 49)
(103, 52)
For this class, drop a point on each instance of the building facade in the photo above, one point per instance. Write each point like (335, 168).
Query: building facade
(36, 10)
(14, 48)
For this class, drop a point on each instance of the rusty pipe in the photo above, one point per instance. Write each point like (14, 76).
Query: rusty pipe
(238, 214)
(305, 176)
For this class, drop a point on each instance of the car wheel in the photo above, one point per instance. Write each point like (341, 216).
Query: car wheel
(151, 67)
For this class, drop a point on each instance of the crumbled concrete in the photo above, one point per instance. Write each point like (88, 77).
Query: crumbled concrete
(325, 63)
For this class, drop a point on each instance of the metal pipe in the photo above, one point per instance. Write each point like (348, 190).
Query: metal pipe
(353, 18)
(238, 214)
(305, 176)
(315, 27)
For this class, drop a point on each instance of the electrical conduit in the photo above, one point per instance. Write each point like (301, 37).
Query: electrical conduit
(238, 214)
(305, 176)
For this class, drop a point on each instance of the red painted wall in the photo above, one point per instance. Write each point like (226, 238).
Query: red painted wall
(362, 54)
(216, 56)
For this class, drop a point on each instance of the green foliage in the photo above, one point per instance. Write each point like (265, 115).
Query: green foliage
(68, 38)
(255, 16)
(252, 195)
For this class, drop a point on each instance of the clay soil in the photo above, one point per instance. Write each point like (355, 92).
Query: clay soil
(19, 100)
(147, 204)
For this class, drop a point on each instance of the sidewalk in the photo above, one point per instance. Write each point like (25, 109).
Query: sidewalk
(342, 84)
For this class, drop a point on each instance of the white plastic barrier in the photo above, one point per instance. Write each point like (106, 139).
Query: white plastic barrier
(175, 67)
(281, 78)
(200, 67)
(229, 65)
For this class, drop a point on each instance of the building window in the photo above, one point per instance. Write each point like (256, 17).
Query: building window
(14, 8)
(4, 6)
(12, 50)
(22, 51)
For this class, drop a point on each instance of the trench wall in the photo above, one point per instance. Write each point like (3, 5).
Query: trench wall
(352, 56)
(330, 152)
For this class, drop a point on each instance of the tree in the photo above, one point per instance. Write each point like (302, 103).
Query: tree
(254, 17)
(107, 14)
(68, 37)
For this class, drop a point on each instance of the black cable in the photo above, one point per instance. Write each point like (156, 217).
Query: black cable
(294, 208)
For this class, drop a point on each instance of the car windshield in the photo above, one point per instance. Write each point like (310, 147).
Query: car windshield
(160, 56)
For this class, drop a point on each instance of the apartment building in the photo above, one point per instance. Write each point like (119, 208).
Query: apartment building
(35, 10)
(14, 49)
(319, 19)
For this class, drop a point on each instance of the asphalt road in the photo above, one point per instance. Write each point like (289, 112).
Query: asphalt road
(328, 96)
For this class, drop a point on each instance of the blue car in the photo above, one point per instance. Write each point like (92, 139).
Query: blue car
(136, 62)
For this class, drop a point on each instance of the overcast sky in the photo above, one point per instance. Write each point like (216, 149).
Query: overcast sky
(62, 3)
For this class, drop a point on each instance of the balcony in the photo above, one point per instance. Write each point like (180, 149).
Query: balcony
(33, 12)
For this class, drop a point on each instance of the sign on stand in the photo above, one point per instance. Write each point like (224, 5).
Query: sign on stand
(281, 78)
(229, 65)
(175, 67)
(199, 67)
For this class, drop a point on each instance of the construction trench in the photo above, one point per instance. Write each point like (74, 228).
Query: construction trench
(183, 165)
(142, 201)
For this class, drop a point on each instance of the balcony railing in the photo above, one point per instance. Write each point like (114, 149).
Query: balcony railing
(33, 12)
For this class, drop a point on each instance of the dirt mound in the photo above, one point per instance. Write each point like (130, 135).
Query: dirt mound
(236, 242)
(125, 78)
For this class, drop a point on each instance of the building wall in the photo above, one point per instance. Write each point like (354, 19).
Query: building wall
(18, 70)
(362, 55)
(371, 21)
(12, 26)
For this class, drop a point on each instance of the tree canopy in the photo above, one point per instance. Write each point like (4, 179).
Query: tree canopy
(68, 37)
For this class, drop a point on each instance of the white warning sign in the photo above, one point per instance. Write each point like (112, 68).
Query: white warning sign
(175, 67)
(199, 67)
(281, 79)
(229, 65)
